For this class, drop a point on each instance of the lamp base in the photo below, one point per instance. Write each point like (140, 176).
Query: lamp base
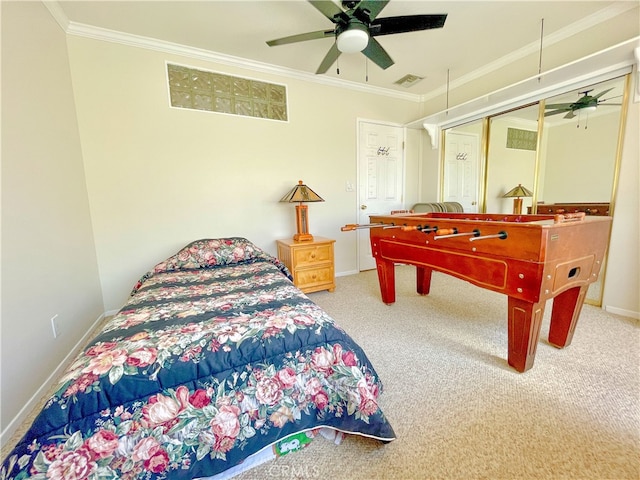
(303, 237)
(302, 224)
(517, 206)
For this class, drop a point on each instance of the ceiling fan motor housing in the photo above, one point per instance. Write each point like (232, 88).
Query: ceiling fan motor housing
(353, 37)
(356, 25)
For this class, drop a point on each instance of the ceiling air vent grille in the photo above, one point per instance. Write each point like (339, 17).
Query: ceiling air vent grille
(408, 80)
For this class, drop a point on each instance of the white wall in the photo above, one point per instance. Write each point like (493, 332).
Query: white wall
(160, 177)
(622, 283)
(508, 167)
(586, 171)
(48, 256)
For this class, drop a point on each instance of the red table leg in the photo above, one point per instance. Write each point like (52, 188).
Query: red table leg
(565, 314)
(525, 319)
(423, 280)
(387, 280)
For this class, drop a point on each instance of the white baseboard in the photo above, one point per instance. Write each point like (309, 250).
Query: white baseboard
(13, 425)
(622, 311)
(348, 272)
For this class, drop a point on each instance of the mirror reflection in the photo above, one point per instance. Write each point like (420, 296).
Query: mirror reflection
(462, 169)
(511, 161)
(504, 164)
(578, 157)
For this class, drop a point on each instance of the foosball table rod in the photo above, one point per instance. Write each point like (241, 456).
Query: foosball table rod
(501, 235)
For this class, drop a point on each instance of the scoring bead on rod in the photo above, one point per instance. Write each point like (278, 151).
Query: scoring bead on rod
(453, 232)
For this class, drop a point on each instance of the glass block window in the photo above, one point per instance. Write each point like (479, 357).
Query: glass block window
(215, 92)
(522, 139)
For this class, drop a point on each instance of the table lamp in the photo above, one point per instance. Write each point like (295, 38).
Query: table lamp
(301, 193)
(516, 193)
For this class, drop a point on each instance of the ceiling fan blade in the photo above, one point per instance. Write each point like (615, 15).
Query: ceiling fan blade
(566, 106)
(555, 112)
(330, 10)
(331, 56)
(602, 93)
(605, 101)
(407, 23)
(301, 37)
(570, 115)
(368, 10)
(377, 54)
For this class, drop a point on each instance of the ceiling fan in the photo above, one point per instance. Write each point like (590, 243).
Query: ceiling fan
(587, 102)
(355, 27)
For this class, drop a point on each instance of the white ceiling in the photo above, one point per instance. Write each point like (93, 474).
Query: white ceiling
(478, 39)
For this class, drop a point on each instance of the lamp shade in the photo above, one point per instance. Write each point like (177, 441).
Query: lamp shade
(518, 192)
(301, 193)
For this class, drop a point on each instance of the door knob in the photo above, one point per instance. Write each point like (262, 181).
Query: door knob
(363, 207)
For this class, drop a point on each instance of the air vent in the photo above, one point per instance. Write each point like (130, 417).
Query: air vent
(408, 80)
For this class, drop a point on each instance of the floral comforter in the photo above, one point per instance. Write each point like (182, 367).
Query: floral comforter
(215, 356)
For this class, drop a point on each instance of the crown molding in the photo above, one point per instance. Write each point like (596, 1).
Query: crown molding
(103, 34)
(98, 33)
(590, 21)
(604, 65)
(57, 13)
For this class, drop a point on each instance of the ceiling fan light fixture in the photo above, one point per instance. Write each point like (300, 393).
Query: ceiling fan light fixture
(591, 108)
(355, 39)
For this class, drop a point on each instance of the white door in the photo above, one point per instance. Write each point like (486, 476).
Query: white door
(461, 170)
(380, 179)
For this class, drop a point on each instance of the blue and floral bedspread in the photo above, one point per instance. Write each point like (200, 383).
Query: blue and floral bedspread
(215, 356)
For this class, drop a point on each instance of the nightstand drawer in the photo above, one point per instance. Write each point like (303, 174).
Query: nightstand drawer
(312, 255)
(310, 263)
(314, 277)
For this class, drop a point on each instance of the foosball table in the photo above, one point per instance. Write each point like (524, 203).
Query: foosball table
(529, 258)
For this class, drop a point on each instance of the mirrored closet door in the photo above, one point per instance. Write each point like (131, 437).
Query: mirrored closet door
(564, 151)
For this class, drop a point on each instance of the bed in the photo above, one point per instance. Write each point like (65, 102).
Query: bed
(215, 359)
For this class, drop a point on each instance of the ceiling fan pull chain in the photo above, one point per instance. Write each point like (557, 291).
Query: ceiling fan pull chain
(366, 70)
(447, 109)
(540, 57)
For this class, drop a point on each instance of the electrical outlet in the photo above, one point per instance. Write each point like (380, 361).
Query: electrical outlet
(55, 326)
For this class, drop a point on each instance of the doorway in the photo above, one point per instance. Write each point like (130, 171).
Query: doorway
(461, 165)
(380, 179)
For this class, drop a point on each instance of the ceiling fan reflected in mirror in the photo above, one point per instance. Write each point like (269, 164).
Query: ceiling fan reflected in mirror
(586, 103)
(356, 26)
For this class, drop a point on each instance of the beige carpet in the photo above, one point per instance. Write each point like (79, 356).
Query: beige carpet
(459, 410)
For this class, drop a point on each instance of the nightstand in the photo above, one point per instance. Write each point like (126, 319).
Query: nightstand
(311, 263)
